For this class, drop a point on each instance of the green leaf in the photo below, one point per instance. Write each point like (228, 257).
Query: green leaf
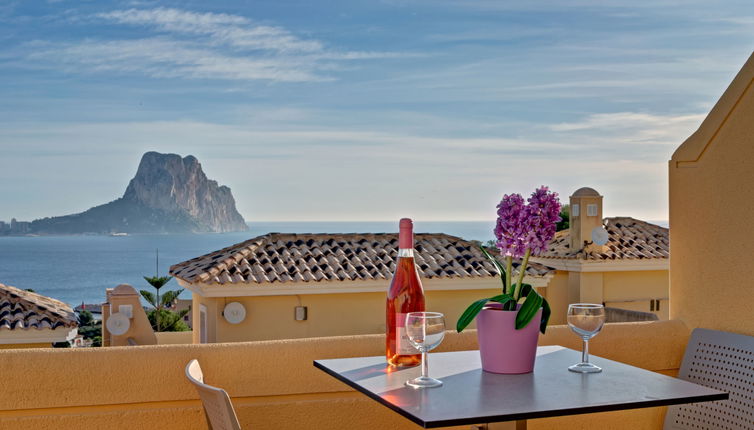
(472, 311)
(529, 309)
(169, 297)
(505, 299)
(165, 320)
(545, 316)
(502, 299)
(157, 281)
(469, 314)
(498, 265)
(525, 289)
(85, 318)
(149, 297)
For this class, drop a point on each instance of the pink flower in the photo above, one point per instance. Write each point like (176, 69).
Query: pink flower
(526, 226)
(508, 229)
(542, 216)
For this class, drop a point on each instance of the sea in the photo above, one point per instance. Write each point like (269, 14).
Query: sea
(78, 269)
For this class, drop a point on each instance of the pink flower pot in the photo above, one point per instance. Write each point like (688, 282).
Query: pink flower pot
(503, 348)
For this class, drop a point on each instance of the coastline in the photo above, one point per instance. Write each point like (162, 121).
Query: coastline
(76, 268)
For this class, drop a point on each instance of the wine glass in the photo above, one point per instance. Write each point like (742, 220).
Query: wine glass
(586, 320)
(425, 330)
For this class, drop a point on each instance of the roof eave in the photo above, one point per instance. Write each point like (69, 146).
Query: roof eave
(23, 336)
(344, 287)
(617, 265)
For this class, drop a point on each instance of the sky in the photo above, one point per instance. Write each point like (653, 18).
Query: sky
(360, 110)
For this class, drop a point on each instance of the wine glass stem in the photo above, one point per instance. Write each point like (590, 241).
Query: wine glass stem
(585, 351)
(425, 370)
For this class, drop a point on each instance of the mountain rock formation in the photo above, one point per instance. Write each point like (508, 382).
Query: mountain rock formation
(169, 194)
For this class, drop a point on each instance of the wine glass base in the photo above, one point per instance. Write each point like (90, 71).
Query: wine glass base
(585, 368)
(424, 382)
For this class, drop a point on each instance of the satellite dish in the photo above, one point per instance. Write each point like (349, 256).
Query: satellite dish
(234, 312)
(599, 236)
(118, 324)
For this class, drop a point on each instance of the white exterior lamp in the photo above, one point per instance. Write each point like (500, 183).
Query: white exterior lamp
(118, 324)
(234, 312)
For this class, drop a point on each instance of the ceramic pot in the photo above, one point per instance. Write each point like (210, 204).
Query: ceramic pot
(503, 348)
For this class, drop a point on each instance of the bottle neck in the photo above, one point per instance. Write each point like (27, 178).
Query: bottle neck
(405, 252)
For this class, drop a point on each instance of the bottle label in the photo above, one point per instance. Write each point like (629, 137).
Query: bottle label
(402, 343)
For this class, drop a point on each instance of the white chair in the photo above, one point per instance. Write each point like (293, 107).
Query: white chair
(724, 361)
(217, 406)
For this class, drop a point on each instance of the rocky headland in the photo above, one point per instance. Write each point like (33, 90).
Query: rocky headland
(169, 194)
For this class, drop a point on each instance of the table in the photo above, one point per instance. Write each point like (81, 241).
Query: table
(471, 396)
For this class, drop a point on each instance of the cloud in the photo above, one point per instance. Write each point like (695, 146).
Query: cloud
(635, 127)
(250, 140)
(167, 58)
(193, 45)
(557, 5)
(234, 30)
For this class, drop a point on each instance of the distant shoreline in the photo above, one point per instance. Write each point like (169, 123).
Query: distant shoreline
(255, 226)
(76, 268)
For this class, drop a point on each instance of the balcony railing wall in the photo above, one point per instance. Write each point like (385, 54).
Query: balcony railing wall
(273, 383)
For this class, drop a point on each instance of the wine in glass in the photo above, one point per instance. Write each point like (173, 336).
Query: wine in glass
(425, 330)
(586, 320)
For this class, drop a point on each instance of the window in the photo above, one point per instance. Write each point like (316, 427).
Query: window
(591, 210)
(575, 210)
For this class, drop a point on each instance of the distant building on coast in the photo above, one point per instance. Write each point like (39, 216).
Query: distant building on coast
(19, 227)
(281, 286)
(15, 227)
(94, 308)
(31, 320)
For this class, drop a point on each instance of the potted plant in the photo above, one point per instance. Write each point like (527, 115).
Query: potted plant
(508, 324)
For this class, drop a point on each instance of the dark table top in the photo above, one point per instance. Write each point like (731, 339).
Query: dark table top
(471, 396)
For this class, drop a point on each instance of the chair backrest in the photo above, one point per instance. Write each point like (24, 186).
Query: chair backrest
(217, 406)
(724, 361)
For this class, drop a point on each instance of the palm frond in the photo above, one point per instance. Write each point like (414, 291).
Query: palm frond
(169, 297)
(149, 297)
(158, 281)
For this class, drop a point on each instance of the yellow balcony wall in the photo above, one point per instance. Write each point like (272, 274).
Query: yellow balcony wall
(273, 383)
(711, 207)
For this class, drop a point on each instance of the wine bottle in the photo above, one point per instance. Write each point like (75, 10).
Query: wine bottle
(405, 295)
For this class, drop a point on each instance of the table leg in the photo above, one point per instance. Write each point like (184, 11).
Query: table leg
(509, 425)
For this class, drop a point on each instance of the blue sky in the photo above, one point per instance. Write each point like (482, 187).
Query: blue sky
(350, 110)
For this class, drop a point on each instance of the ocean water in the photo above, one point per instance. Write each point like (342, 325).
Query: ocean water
(78, 269)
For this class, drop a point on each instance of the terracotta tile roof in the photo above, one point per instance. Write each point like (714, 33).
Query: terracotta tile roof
(280, 257)
(628, 238)
(21, 309)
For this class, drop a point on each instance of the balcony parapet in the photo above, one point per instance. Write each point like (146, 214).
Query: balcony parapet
(273, 383)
